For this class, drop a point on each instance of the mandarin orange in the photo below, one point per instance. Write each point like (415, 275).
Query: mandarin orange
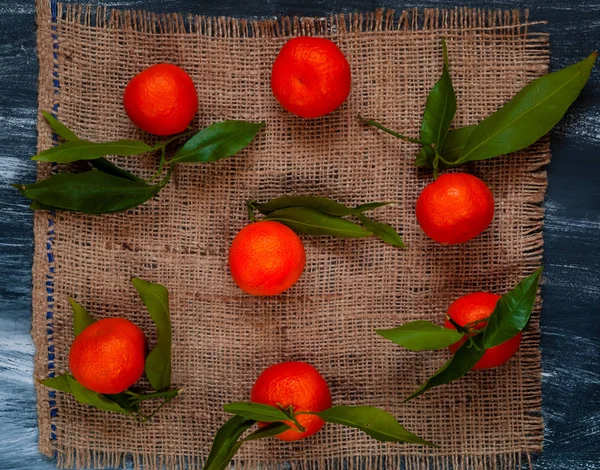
(310, 77)
(108, 356)
(161, 99)
(266, 258)
(477, 306)
(455, 208)
(295, 384)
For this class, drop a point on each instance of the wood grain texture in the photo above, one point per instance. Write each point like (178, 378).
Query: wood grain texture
(570, 330)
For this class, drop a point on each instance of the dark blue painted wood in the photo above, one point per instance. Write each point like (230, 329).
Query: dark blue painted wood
(570, 328)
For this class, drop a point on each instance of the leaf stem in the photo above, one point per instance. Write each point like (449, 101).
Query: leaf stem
(290, 414)
(458, 327)
(472, 343)
(164, 143)
(445, 51)
(370, 122)
(250, 209)
(148, 396)
(466, 330)
(161, 164)
(162, 183)
(473, 323)
(445, 162)
(162, 146)
(436, 164)
(165, 402)
(142, 418)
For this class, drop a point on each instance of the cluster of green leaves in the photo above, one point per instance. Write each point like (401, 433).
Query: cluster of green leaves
(313, 215)
(528, 116)
(106, 188)
(509, 318)
(157, 366)
(374, 422)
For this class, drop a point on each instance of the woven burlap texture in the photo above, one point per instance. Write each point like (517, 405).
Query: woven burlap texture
(223, 338)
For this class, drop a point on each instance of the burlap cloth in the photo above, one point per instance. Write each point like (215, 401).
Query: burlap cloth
(224, 338)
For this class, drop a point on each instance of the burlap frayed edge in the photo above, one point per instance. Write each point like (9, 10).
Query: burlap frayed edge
(474, 19)
(506, 461)
(497, 22)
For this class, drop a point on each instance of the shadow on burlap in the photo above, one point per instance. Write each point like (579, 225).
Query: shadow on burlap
(223, 338)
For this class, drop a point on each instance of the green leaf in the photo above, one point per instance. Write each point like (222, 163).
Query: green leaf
(256, 411)
(529, 115)
(158, 362)
(225, 443)
(106, 166)
(455, 141)
(101, 164)
(172, 393)
(38, 206)
(321, 204)
(81, 318)
(59, 382)
(313, 222)
(422, 159)
(512, 312)
(68, 384)
(270, 430)
(439, 110)
(369, 206)
(59, 128)
(459, 364)
(376, 423)
(315, 202)
(75, 150)
(384, 231)
(124, 401)
(421, 336)
(92, 192)
(453, 145)
(217, 141)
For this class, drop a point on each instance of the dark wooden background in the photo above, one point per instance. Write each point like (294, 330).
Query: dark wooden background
(570, 326)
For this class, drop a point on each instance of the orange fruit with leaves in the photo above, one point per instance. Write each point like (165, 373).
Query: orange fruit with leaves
(108, 356)
(478, 306)
(295, 384)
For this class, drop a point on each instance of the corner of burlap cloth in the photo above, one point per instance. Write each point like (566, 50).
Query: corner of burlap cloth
(223, 338)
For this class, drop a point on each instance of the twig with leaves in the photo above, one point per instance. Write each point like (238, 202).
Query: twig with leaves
(510, 317)
(107, 188)
(523, 120)
(375, 422)
(314, 215)
(157, 365)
